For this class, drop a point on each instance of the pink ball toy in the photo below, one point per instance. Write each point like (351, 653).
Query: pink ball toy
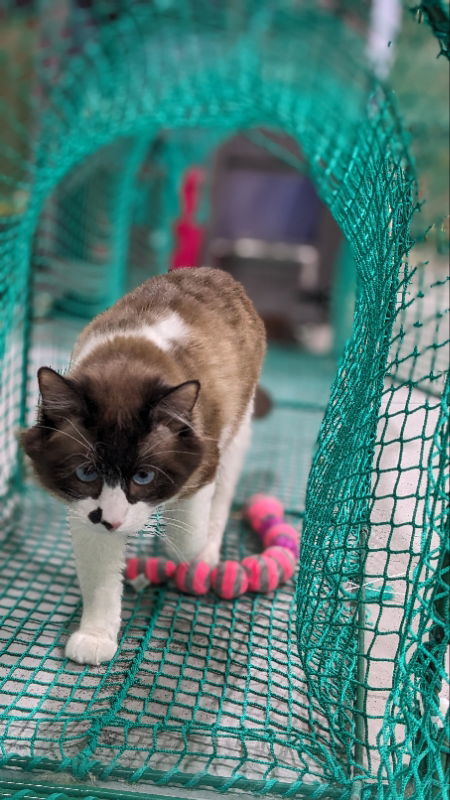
(285, 560)
(263, 572)
(260, 509)
(158, 570)
(134, 573)
(193, 578)
(143, 572)
(229, 579)
(282, 535)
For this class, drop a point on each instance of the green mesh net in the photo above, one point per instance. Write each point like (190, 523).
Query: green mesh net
(336, 688)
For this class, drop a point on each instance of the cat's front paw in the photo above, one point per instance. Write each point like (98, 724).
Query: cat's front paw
(90, 648)
(210, 555)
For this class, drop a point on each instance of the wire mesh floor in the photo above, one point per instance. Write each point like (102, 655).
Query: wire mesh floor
(198, 685)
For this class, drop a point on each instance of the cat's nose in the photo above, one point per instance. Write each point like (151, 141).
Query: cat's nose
(97, 516)
(112, 526)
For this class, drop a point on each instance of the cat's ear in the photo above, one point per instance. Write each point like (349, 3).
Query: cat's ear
(59, 395)
(176, 406)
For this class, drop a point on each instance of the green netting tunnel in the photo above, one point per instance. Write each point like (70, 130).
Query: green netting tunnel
(334, 688)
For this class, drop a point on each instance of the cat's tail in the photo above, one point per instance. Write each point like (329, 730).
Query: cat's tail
(263, 403)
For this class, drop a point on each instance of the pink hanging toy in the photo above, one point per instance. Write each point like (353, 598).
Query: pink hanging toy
(188, 235)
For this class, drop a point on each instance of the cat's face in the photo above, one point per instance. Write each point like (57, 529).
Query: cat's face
(113, 459)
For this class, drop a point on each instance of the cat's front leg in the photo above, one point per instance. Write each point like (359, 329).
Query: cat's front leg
(227, 476)
(186, 524)
(100, 559)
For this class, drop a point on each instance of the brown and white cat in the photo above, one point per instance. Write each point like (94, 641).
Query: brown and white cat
(154, 410)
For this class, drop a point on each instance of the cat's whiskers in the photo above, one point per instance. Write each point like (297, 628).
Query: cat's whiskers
(177, 523)
(175, 549)
(168, 543)
(148, 452)
(179, 418)
(187, 424)
(64, 433)
(73, 513)
(151, 532)
(75, 455)
(194, 486)
(77, 430)
(154, 453)
(158, 469)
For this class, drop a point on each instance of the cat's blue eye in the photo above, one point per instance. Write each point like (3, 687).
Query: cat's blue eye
(142, 477)
(86, 474)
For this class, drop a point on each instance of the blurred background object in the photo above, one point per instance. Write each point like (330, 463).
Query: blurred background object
(420, 82)
(269, 228)
(260, 217)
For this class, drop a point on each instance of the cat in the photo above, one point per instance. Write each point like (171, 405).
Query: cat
(154, 410)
